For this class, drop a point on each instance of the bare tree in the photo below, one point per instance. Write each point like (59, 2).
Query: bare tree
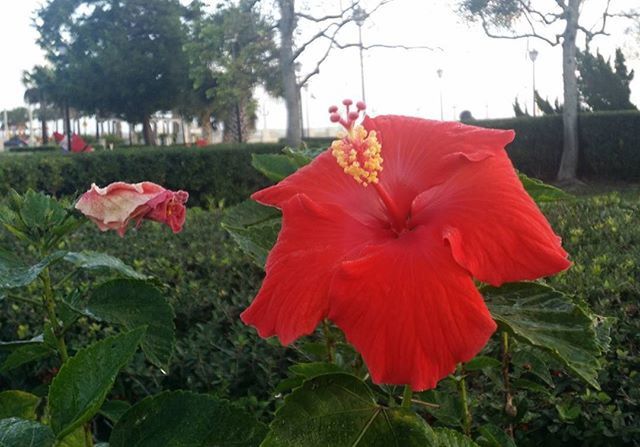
(328, 28)
(498, 17)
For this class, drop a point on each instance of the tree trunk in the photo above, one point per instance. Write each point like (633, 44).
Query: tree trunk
(147, 133)
(43, 121)
(290, 88)
(205, 124)
(568, 170)
(239, 125)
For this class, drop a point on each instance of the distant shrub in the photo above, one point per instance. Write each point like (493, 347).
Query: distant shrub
(217, 173)
(28, 149)
(609, 144)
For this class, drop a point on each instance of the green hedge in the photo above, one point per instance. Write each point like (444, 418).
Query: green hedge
(609, 145)
(28, 149)
(221, 172)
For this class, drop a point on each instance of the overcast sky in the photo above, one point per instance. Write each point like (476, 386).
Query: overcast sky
(480, 74)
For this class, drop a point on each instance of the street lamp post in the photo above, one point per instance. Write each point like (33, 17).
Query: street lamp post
(439, 71)
(359, 16)
(533, 55)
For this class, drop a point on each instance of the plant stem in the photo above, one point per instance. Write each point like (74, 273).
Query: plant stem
(406, 396)
(464, 400)
(24, 300)
(51, 313)
(88, 436)
(509, 408)
(328, 340)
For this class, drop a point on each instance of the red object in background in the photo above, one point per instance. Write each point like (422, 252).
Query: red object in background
(393, 264)
(79, 145)
(201, 142)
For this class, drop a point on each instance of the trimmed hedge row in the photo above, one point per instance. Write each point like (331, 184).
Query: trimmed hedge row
(216, 173)
(609, 145)
(28, 149)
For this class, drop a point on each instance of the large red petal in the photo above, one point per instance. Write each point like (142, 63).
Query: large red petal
(323, 181)
(494, 229)
(410, 310)
(313, 241)
(419, 153)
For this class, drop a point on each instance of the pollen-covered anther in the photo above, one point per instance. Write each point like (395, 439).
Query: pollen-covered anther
(356, 150)
(359, 155)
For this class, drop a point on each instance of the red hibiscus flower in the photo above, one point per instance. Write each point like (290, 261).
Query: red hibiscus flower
(116, 205)
(384, 233)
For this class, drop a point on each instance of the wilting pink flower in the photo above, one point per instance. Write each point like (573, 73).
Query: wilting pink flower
(113, 207)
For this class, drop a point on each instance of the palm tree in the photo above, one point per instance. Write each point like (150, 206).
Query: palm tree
(39, 84)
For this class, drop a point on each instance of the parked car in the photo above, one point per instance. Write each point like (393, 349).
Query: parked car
(15, 141)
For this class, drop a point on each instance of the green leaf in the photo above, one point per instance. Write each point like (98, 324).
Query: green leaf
(178, 418)
(541, 192)
(494, 436)
(446, 437)
(274, 166)
(481, 362)
(16, 432)
(541, 316)
(18, 404)
(449, 406)
(81, 385)
(38, 210)
(134, 303)
(533, 361)
(13, 273)
(25, 354)
(302, 157)
(93, 260)
(314, 369)
(254, 228)
(37, 218)
(340, 410)
(530, 385)
(74, 439)
(114, 409)
(568, 411)
(305, 371)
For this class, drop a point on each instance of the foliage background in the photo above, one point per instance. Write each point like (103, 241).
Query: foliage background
(210, 282)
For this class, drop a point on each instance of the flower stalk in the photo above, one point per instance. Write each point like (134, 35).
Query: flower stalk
(464, 400)
(50, 306)
(326, 330)
(407, 396)
(509, 408)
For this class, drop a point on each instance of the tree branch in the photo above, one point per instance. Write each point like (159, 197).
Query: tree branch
(562, 4)
(316, 70)
(544, 18)
(489, 33)
(338, 24)
(328, 16)
(626, 15)
(383, 45)
(331, 37)
(319, 34)
(590, 34)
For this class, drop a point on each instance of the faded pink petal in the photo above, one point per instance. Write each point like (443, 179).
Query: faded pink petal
(113, 207)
